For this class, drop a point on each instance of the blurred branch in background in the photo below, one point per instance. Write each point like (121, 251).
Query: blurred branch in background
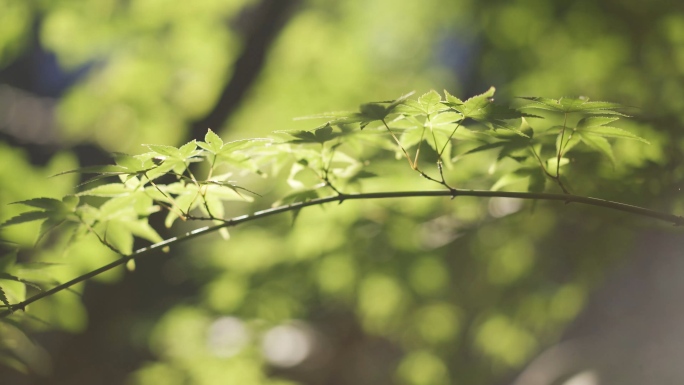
(259, 25)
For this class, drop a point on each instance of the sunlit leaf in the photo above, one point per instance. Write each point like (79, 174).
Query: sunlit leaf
(430, 102)
(570, 139)
(49, 225)
(131, 164)
(169, 151)
(188, 150)
(482, 108)
(552, 163)
(451, 99)
(118, 234)
(598, 143)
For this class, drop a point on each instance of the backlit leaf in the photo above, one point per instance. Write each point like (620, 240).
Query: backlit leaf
(214, 141)
(430, 102)
(162, 150)
(482, 108)
(598, 143)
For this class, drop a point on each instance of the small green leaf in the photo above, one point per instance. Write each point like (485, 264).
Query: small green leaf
(206, 147)
(613, 132)
(451, 99)
(49, 225)
(430, 102)
(29, 216)
(142, 229)
(243, 144)
(324, 134)
(412, 137)
(484, 147)
(598, 143)
(367, 114)
(394, 103)
(373, 111)
(596, 125)
(118, 235)
(552, 163)
(570, 105)
(188, 150)
(162, 150)
(213, 140)
(475, 106)
(446, 118)
(130, 163)
(570, 139)
(106, 190)
(3, 297)
(317, 135)
(593, 121)
(482, 108)
(70, 202)
(10, 277)
(42, 203)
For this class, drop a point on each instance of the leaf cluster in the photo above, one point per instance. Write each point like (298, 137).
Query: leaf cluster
(195, 180)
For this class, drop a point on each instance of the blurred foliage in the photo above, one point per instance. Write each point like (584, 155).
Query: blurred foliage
(468, 290)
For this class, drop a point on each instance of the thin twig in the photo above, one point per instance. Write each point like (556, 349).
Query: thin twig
(670, 218)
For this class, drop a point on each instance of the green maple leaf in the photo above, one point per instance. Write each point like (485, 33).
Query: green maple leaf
(571, 105)
(482, 108)
(368, 112)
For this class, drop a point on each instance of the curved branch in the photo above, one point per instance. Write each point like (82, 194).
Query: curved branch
(670, 218)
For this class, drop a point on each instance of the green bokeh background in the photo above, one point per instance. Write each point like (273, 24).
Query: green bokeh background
(420, 291)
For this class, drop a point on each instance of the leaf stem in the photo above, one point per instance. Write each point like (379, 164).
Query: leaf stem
(560, 155)
(408, 157)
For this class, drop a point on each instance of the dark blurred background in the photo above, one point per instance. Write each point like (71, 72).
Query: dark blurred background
(414, 292)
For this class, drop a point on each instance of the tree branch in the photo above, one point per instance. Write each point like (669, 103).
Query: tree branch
(262, 25)
(670, 218)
